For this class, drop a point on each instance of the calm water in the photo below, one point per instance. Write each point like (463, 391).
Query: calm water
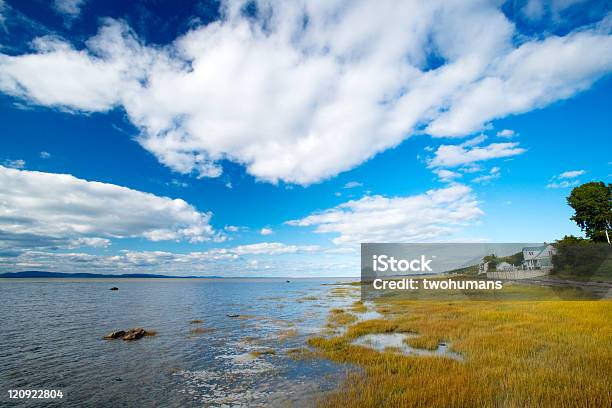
(52, 331)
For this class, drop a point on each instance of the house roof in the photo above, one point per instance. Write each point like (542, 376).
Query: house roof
(535, 249)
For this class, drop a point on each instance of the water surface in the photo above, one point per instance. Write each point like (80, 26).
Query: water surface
(52, 333)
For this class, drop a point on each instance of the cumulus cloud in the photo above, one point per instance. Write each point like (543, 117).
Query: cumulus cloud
(46, 209)
(303, 90)
(434, 214)
(266, 231)
(507, 133)
(456, 155)
(45, 155)
(240, 260)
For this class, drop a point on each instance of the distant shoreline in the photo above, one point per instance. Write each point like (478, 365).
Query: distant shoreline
(85, 275)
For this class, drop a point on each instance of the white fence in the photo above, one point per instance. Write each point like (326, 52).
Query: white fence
(517, 274)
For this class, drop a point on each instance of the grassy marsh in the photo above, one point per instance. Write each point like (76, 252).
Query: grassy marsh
(516, 354)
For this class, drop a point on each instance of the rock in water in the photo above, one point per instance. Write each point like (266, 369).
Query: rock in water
(115, 335)
(129, 335)
(134, 334)
(114, 288)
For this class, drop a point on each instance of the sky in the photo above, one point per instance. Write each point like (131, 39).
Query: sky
(271, 138)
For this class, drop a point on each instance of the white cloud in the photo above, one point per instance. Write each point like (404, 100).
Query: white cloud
(47, 209)
(434, 214)
(571, 174)
(241, 260)
(94, 242)
(72, 8)
(2, 17)
(271, 248)
(45, 155)
(447, 175)
(456, 155)
(494, 174)
(266, 231)
(306, 90)
(566, 179)
(353, 184)
(535, 10)
(563, 184)
(475, 141)
(177, 183)
(507, 133)
(14, 164)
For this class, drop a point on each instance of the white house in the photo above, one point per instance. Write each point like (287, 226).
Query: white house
(504, 266)
(539, 257)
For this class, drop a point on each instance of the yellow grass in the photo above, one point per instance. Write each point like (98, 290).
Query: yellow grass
(263, 352)
(516, 354)
(338, 317)
(359, 307)
(201, 330)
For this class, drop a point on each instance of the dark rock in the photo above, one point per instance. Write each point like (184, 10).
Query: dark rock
(115, 335)
(114, 288)
(129, 335)
(134, 334)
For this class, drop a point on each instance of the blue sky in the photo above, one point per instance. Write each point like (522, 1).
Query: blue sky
(287, 142)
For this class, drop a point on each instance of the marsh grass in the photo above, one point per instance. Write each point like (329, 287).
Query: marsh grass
(309, 298)
(302, 353)
(359, 307)
(516, 354)
(286, 334)
(339, 317)
(423, 342)
(202, 330)
(262, 352)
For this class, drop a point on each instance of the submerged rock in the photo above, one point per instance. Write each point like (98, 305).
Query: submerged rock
(129, 335)
(114, 288)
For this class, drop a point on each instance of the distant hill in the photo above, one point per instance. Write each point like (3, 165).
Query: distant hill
(43, 274)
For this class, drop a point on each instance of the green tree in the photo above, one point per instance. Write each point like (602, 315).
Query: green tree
(592, 204)
(581, 257)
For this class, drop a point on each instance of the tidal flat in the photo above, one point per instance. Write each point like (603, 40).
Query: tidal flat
(468, 353)
(227, 342)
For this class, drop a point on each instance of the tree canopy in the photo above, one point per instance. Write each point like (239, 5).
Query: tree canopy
(592, 204)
